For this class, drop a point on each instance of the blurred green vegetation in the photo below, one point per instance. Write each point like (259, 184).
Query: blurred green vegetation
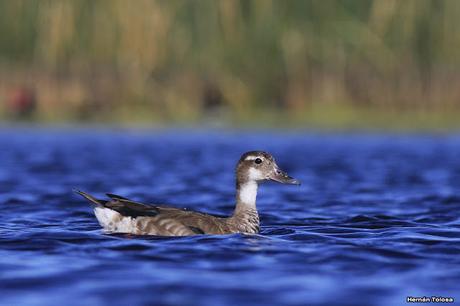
(382, 63)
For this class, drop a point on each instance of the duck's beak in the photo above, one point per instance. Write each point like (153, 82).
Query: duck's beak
(282, 177)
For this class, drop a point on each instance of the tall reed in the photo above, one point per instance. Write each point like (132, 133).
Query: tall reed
(180, 59)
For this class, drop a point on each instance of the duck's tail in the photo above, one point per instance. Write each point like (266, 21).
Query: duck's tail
(99, 203)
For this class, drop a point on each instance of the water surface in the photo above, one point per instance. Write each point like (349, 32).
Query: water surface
(377, 219)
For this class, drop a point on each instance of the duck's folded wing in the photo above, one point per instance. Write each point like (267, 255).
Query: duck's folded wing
(133, 209)
(159, 219)
(166, 220)
(198, 223)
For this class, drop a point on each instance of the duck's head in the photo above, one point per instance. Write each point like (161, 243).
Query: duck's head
(258, 166)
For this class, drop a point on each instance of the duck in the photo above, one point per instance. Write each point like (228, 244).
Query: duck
(118, 214)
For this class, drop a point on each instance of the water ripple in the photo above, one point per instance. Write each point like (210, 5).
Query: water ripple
(376, 220)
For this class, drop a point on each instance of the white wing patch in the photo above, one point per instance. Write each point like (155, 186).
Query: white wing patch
(114, 222)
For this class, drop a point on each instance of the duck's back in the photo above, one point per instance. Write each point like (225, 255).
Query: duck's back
(121, 215)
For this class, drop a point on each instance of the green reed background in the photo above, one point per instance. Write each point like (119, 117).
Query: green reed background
(285, 62)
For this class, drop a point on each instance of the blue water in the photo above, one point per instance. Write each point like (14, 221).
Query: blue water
(377, 219)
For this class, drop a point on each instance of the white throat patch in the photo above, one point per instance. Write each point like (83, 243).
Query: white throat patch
(248, 193)
(255, 175)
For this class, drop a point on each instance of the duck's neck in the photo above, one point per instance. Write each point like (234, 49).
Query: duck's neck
(246, 194)
(245, 214)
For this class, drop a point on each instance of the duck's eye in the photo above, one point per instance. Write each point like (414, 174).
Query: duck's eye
(258, 161)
